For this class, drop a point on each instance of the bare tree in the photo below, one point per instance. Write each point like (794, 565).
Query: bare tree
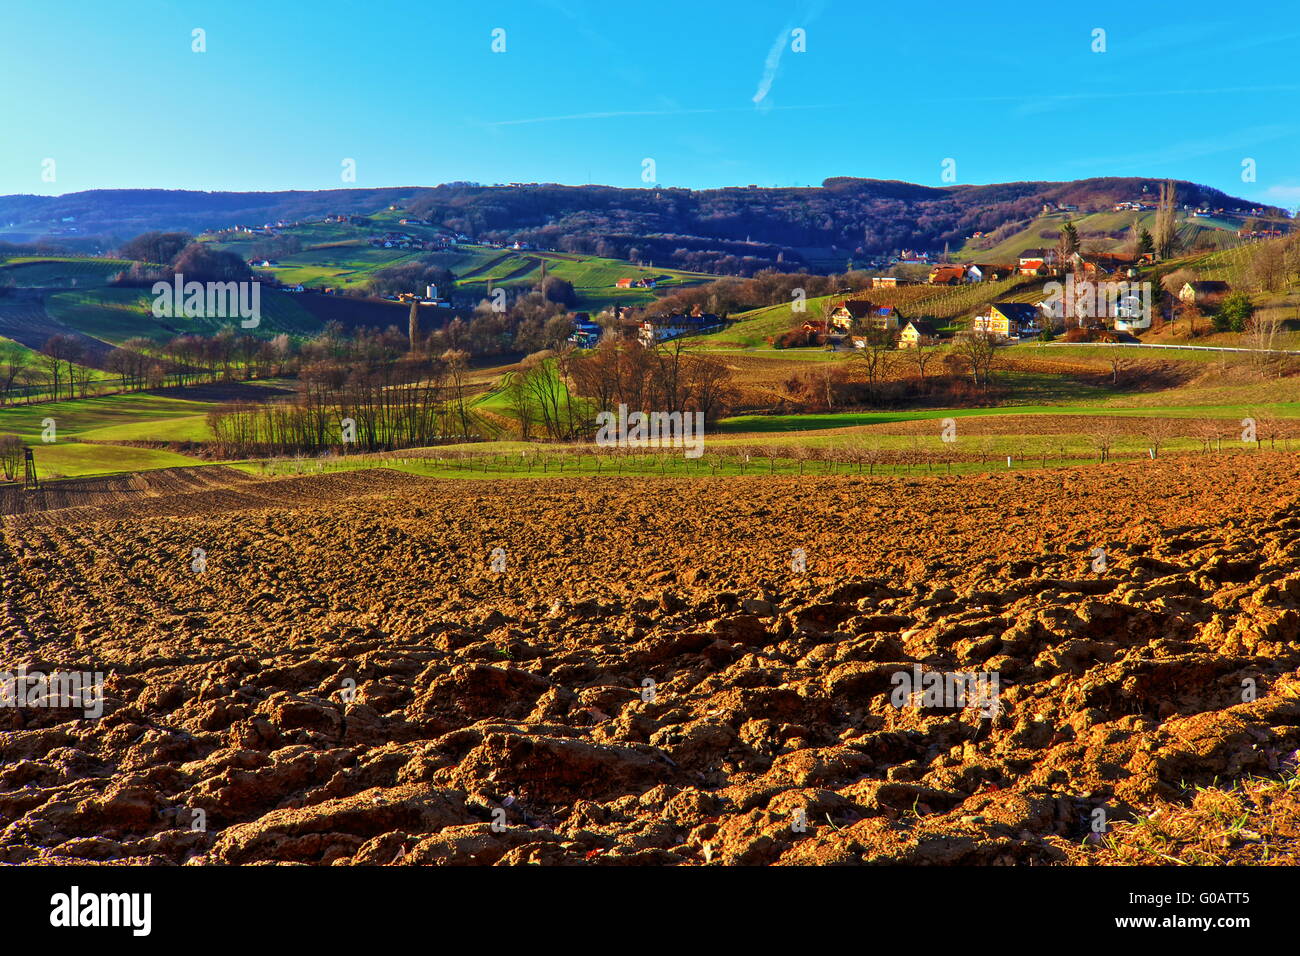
(922, 355)
(1261, 335)
(1266, 428)
(457, 363)
(1158, 432)
(11, 455)
(413, 327)
(1118, 363)
(1102, 436)
(58, 355)
(875, 357)
(1166, 236)
(13, 362)
(978, 352)
(1209, 432)
(1268, 268)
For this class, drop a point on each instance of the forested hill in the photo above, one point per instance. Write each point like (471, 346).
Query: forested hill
(735, 230)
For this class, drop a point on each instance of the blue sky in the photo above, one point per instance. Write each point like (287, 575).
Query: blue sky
(714, 93)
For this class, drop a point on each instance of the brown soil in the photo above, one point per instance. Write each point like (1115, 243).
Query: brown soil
(521, 696)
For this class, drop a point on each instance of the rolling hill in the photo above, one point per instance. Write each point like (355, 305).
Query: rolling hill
(734, 231)
(342, 256)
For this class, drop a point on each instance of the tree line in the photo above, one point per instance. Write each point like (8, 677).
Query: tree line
(557, 394)
(359, 402)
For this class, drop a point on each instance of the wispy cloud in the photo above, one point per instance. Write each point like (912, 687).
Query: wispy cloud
(1224, 36)
(623, 114)
(1225, 142)
(1284, 194)
(1048, 102)
(772, 62)
(1028, 101)
(1117, 94)
(771, 66)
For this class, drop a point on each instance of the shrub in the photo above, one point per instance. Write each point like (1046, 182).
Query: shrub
(1234, 314)
(797, 338)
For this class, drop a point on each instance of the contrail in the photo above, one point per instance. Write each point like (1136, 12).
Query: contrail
(772, 64)
(618, 114)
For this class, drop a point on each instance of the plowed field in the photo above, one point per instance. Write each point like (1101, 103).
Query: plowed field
(675, 671)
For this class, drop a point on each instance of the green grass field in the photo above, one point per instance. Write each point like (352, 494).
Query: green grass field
(338, 255)
(110, 315)
(59, 271)
(73, 460)
(150, 418)
(338, 266)
(79, 422)
(753, 329)
(887, 455)
(783, 423)
(75, 418)
(115, 315)
(184, 428)
(594, 279)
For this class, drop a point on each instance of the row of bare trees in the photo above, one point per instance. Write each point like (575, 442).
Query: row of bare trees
(64, 368)
(377, 404)
(57, 371)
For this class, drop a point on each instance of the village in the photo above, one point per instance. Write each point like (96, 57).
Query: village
(1095, 296)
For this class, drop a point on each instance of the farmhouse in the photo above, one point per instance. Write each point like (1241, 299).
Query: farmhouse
(1201, 292)
(585, 333)
(889, 282)
(1008, 320)
(917, 332)
(1098, 264)
(948, 275)
(849, 312)
(862, 313)
(989, 272)
(885, 319)
(660, 328)
(1031, 260)
(645, 282)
